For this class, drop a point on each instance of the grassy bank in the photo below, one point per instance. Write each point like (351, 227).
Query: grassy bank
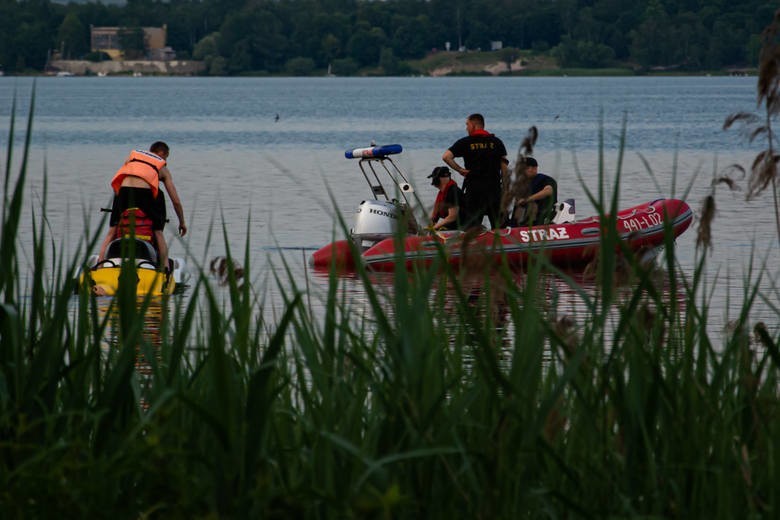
(450, 395)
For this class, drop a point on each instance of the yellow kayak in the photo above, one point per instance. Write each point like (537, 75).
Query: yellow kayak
(105, 280)
(104, 277)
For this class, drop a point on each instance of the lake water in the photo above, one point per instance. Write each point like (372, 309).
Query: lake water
(271, 182)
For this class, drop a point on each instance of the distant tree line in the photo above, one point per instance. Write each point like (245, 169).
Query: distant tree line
(308, 36)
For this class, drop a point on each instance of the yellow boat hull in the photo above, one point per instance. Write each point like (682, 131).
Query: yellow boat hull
(105, 281)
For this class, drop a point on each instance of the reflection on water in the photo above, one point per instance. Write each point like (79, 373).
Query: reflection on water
(155, 314)
(569, 302)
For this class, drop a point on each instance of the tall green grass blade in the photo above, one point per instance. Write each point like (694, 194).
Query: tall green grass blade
(443, 392)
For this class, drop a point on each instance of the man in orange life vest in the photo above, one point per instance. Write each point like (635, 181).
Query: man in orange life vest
(446, 210)
(137, 185)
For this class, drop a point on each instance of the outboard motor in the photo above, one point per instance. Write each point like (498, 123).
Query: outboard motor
(376, 220)
(381, 218)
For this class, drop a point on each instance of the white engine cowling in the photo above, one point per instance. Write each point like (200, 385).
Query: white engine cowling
(376, 220)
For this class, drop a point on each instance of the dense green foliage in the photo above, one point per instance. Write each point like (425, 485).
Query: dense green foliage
(439, 395)
(298, 36)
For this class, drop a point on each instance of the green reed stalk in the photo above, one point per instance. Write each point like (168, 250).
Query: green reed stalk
(440, 394)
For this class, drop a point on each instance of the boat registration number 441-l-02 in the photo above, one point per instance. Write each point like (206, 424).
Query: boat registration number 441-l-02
(636, 223)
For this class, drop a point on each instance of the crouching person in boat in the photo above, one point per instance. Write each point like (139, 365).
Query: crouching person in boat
(446, 213)
(137, 186)
(538, 205)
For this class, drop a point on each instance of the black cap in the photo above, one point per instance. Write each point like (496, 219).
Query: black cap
(440, 171)
(530, 161)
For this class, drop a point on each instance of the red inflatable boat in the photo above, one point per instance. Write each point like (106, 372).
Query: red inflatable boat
(570, 243)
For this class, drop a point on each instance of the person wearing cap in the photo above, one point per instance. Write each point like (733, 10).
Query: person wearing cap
(446, 210)
(543, 194)
(485, 166)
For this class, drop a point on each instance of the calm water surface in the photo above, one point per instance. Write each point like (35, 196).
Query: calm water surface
(270, 182)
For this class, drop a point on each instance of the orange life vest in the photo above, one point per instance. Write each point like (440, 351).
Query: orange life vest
(144, 165)
(134, 222)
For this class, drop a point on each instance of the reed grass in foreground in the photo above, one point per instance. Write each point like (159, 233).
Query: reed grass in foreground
(402, 411)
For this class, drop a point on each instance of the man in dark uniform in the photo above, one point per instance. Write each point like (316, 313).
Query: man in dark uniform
(485, 165)
(446, 213)
(543, 195)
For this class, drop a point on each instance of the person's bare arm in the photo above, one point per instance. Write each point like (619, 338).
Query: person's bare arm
(106, 241)
(167, 180)
(547, 191)
(452, 215)
(449, 159)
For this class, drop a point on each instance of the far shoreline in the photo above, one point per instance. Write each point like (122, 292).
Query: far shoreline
(562, 73)
(435, 64)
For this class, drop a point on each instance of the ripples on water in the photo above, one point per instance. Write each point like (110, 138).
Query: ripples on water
(336, 113)
(274, 185)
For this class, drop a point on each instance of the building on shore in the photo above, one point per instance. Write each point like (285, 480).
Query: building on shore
(132, 43)
(133, 51)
